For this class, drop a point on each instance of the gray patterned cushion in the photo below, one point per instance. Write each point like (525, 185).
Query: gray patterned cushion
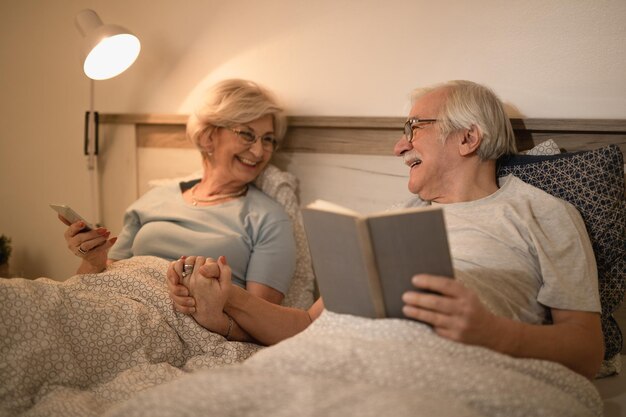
(593, 181)
(548, 147)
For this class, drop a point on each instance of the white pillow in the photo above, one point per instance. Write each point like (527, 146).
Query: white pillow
(165, 181)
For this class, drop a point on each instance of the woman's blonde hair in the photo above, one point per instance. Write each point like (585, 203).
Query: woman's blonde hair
(468, 103)
(231, 103)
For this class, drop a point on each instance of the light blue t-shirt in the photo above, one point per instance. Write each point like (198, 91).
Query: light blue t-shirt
(253, 232)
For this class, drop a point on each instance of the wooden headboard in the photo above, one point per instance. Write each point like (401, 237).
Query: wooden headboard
(343, 159)
(376, 135)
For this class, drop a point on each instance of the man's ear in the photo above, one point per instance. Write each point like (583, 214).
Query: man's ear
(471, 141)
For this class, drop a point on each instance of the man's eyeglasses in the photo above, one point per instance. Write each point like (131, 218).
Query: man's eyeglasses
(268, 142)
(415, 123)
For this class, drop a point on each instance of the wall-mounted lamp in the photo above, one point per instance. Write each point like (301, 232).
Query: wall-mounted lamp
(107, 51)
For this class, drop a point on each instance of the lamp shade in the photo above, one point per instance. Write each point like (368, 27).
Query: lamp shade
(108, 50)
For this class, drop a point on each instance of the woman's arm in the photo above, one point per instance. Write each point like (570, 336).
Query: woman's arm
(86, 267)
(184, 291)
(211, 298)
(263, 291)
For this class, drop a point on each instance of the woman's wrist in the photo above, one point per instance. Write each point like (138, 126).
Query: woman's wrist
(229, 329)
(86, 267)
(223, 325)
(219, 323)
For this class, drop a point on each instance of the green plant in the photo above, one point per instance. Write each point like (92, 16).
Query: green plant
(5, 249)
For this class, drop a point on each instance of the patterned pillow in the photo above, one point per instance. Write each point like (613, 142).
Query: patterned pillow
(548, 147)
(593, 181)
(282, 186)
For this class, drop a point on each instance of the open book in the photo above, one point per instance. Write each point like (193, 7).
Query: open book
(364, 263)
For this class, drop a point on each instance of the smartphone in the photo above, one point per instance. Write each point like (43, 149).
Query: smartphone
(71, 215)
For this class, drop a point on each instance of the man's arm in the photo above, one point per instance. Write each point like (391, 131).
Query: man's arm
(210, 298)
(573, 340)
(266, 322)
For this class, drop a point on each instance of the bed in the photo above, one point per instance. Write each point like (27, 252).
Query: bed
(112, 345)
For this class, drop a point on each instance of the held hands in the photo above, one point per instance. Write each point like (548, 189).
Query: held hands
(92, 245)
(203, 291)
(455, 312)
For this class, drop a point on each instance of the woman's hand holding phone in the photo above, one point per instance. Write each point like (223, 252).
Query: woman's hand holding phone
(88, 242)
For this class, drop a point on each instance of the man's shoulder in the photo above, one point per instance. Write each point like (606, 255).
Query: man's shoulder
(521, 191)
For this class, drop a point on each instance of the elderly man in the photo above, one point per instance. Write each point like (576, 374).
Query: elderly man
(526, 281)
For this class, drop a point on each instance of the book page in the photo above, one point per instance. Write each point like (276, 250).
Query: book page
(332, 207)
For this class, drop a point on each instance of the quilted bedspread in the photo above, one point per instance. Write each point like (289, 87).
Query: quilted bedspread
(349, 366)
(110, 344)
(76, 348)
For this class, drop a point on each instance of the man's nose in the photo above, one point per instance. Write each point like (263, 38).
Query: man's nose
(402, 145)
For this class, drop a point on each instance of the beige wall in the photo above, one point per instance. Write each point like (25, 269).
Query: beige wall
(559, 58)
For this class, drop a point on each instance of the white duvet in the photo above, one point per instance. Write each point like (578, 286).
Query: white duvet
(110, 344)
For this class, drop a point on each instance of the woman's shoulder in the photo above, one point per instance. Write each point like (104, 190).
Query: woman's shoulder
(263, 203)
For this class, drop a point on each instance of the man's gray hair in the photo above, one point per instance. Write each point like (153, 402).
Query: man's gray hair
(470, 104)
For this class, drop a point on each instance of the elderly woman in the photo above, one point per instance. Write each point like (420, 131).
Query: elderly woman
(236, 129)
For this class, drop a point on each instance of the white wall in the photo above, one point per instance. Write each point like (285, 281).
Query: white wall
(558, 58)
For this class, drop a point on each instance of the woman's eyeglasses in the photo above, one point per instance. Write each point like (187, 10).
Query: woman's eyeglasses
(268, 141)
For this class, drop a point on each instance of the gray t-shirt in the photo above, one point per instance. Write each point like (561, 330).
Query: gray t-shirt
(523, 251)
(253, 232)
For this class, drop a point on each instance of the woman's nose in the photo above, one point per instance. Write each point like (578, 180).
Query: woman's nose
(257, 148)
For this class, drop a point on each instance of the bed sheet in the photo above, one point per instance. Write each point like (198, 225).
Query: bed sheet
(612, 389)
(345, 365)
(110, 344)
(78, 347)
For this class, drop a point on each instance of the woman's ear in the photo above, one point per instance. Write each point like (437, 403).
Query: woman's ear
(471, 141)
(205, 141)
